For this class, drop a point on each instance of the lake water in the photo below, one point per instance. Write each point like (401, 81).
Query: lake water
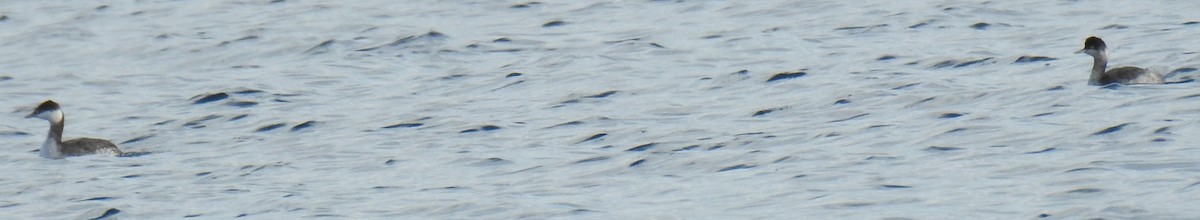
(601, 110)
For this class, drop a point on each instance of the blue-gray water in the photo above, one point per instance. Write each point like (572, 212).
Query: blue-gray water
(601, 110)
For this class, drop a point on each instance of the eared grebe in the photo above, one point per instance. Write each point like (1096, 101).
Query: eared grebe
(1121, 75)
(55, 148)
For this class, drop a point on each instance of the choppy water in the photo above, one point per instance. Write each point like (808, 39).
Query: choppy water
(601, 109)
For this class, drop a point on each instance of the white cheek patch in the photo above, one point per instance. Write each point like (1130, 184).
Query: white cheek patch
(53, 116)
(56, 115)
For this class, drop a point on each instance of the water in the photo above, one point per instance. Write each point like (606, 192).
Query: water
(600, 109)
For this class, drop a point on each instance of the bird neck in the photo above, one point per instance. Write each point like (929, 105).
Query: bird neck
(52, 147)
(1099, 63)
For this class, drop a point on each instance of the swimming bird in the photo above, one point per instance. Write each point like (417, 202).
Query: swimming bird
(55, 148)
(1121, 75)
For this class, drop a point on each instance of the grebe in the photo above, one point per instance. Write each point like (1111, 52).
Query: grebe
(55, 148)
(1121, 75)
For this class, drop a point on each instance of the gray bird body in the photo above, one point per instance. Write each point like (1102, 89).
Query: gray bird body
(55, 148)
(1121, 75)
(85, 146)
